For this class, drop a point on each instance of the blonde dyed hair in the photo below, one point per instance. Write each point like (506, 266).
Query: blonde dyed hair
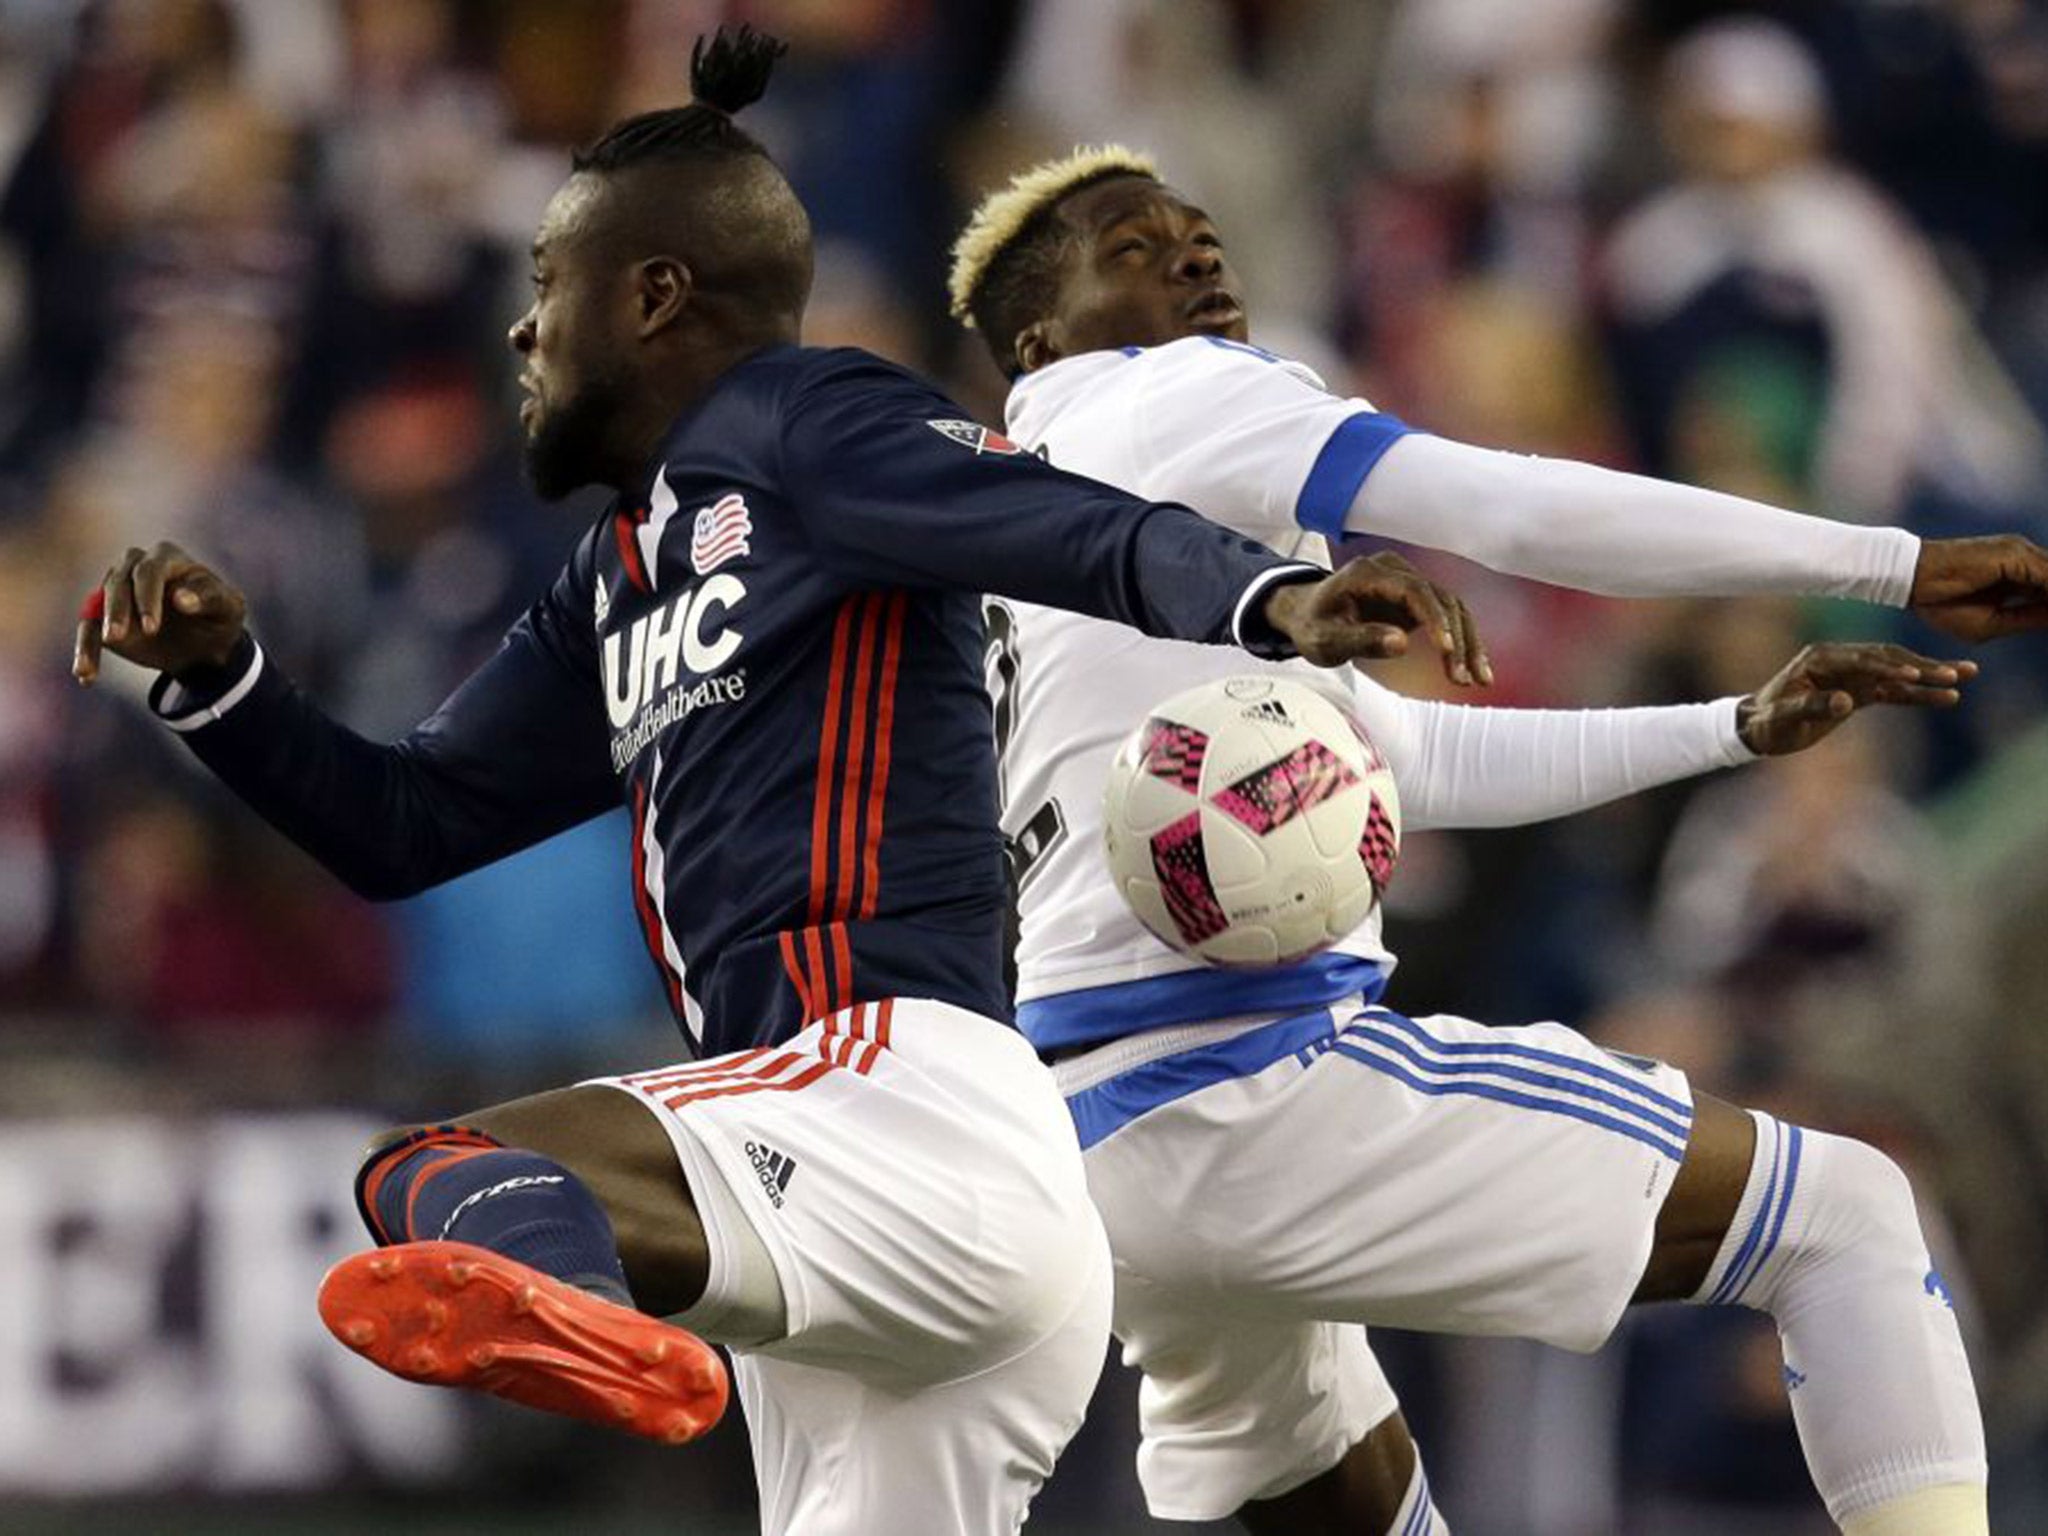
(1009, 213)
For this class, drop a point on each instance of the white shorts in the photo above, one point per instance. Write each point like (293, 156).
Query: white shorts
(1269, 1185)
(916, 1183)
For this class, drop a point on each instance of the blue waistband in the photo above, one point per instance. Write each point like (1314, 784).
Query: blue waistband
(1109, 1106)
(1097, 1014)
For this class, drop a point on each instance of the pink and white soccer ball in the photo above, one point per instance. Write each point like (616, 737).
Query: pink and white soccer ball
(1251, 821)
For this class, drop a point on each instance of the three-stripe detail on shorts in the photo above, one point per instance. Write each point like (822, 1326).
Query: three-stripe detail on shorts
(1529, 1077)
(1768, 1225)
(852, 1040)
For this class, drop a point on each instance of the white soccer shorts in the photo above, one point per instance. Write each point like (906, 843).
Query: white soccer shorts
(1271, 1184)
(916, 1181)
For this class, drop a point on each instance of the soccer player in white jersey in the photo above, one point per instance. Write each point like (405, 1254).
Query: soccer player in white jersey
(1278, 1158)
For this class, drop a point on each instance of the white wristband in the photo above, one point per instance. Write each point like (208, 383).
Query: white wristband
(168, 703)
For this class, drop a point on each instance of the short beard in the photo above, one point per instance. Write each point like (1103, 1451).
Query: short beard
(567, 452)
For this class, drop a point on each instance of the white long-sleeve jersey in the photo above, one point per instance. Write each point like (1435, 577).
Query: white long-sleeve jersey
(1256, 442)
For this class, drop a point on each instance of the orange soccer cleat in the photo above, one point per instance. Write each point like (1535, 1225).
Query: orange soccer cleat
(455, 1315)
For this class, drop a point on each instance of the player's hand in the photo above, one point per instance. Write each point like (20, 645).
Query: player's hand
(1982, 589)
(1363, 610)
(160, 609)
(1825, 684)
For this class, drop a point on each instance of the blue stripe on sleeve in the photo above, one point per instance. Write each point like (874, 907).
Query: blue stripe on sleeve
(1340, 469)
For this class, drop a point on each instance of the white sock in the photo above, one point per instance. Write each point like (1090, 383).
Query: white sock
(1955, 1509)
(1418, 1516)
(1827, 1242)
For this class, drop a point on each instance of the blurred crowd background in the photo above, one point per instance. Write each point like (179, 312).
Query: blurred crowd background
(257, 261)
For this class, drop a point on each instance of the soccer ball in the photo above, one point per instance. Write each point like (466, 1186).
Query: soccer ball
(1251, 822)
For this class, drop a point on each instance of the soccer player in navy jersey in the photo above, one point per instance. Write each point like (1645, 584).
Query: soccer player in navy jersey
(768, 647)
(1275, 1151)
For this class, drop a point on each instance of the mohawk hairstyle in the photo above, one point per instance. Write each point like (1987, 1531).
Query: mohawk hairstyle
(727, 74)
(1006, 262)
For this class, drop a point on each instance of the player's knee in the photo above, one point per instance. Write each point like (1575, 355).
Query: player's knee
(1849, 1215)
(1871, 1193)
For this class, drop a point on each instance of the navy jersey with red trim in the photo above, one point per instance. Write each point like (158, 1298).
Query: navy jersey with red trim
(772, 654)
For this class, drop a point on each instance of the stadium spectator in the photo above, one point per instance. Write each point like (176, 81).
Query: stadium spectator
(1766, 233)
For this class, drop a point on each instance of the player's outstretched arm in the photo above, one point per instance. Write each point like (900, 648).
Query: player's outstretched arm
(1466, 766)
(1627, 535)
(514, 756)
(1825, 684)
(895, 488)
(1256, 442)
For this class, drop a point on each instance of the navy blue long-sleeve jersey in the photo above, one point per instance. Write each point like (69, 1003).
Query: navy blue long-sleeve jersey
(772, 656)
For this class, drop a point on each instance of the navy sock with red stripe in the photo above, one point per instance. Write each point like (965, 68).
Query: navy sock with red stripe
(460, 1187)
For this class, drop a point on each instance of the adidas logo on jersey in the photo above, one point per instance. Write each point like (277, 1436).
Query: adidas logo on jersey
(601, 605)
(774, 1169)
(1267, 709)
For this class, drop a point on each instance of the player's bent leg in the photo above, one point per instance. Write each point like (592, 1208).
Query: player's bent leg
(502, 1270)
(915, 1185)
(838, 1453)
(1352, 1166)
(1287, 1423)
(1379, 1486)
(622, 1155)
(1824, 1237)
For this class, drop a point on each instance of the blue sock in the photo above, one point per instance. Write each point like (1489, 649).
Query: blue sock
(520, 1204)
